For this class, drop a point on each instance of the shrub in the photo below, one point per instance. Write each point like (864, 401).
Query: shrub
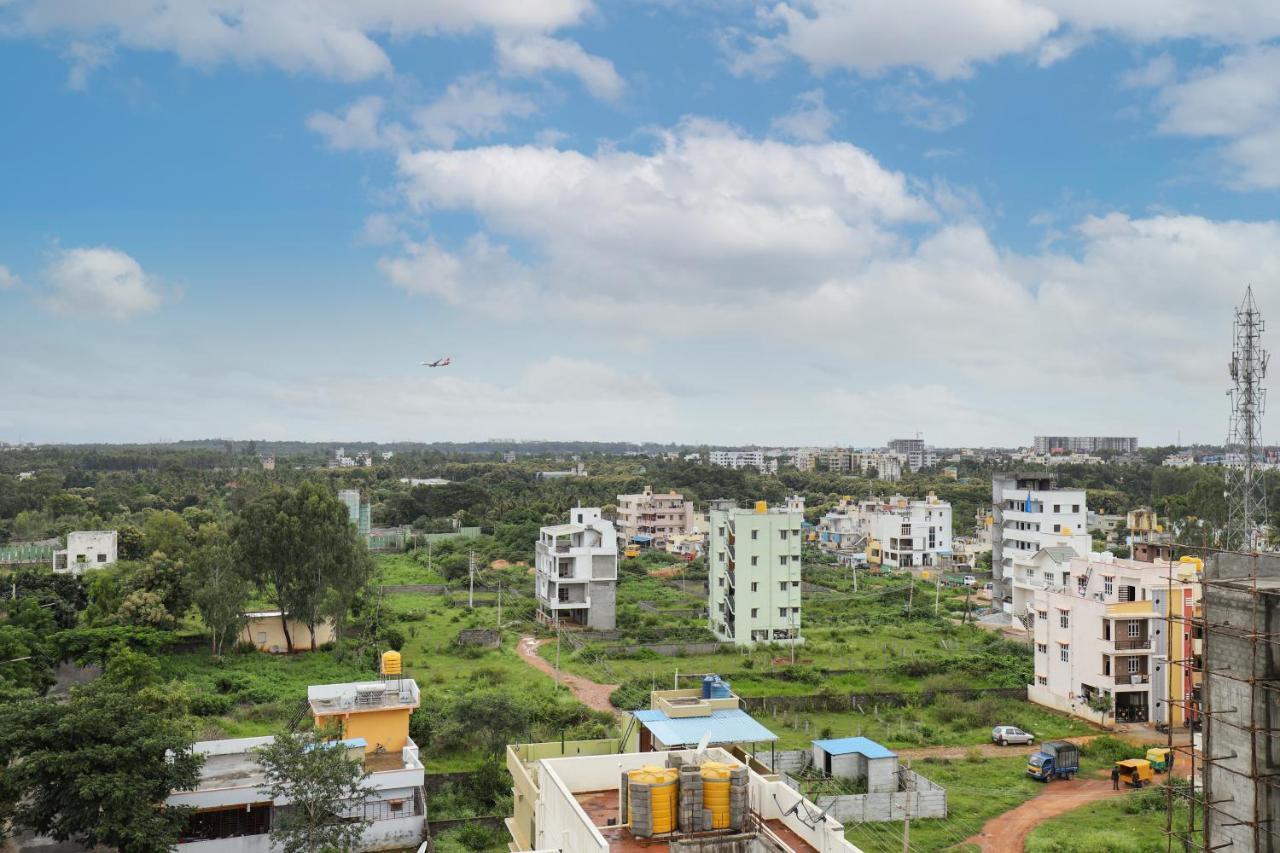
(211, 705)
(1107, 750)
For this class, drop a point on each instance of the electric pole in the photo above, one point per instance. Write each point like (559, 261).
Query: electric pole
(471, 581)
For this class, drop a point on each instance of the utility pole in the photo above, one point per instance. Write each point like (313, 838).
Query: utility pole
(499, 604)
(906, 834)
(471, 585)
(911, 592)
(937, 592)
(557, 650)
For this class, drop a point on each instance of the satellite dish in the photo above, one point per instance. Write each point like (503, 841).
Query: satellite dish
(702, 744)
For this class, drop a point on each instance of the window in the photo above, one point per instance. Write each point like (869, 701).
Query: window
(1108, 585)
(755, 534)
(1064, 618)
(1048, 578)
(1042, 648)
(1106, 629)
(722, 531)
(1057, 507)
(1133, 629)
(782, 586)
(1106, 665)
(755, 561)
(1064, 652)
(782, 560)
(755, 587)
(1042, 615)
(720, 556)
(102, 558)
(720, 581)
(1042, 681)
(1075, 507)
(795, 584)
(782, 611)
(1133, 664)
(795, 611)
(1057, 528)
(795, 558)
(754, 611)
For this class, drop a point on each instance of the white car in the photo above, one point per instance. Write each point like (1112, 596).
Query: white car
(1010, 734)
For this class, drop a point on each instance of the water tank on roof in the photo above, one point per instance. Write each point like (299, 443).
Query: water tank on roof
(762, 507)
(707, 681)
(715, 792)
(651, 800)
(390, 663)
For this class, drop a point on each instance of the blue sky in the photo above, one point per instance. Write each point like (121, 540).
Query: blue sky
(814, 222)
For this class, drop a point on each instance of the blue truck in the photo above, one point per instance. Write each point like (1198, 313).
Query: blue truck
(1056, 759)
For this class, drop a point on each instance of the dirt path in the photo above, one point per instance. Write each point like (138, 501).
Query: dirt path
(589, 693)
(1009, 831)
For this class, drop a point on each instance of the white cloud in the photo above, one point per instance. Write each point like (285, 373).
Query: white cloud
(85, 58)
(101, 280)
(1242, 21)
(324, 37)
(926, 112)
(1159, 71)
(1238, 101)
(809, 120)
(533, 53)
(944, 38)
(483, 275)
(8, 279)
(472, 107)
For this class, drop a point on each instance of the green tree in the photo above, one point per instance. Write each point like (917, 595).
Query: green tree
(168, 532)
(299, 547)
(130, 543)
(1100, 702)
(221, 589)
(325, 790)
(96, 769)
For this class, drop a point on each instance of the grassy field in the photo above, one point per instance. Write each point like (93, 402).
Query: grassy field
(976, 792)
(405, 569)
(1134, 824)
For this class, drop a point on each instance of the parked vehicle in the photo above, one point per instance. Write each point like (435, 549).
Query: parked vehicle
(1134, 772)
(1057, 759)
(1161, 758)
(970, 580)
(631, 551)
(1005, 735)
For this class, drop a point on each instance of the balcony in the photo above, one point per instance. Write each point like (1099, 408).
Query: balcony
(1131, 678)
(1130, 644)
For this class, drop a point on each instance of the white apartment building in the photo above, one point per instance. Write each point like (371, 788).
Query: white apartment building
(577, 571)
(1100, 626)
(86, 549)
(233, 812)
(653, 520)
(904, 533)
(1084, 443)
(753, 559)
(738, 459)
(918, 456)
(887, 466)
(1029, 513)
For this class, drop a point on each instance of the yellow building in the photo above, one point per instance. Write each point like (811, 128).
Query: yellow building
(377, 711)
(265, 630)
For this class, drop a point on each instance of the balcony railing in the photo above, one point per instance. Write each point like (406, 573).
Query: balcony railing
(1128, 644)
(1133, 678)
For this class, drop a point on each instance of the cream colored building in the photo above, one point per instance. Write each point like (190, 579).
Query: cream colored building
(653, 519)
(265, 630)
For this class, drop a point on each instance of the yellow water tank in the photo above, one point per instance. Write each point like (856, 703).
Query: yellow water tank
(661, 786)
(762, 507)
(1192, 561)
(1066, 531)
(715, 792)
(390, 662)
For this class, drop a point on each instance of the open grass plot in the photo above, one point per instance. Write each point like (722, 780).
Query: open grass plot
(1131, 824)
(411, 568)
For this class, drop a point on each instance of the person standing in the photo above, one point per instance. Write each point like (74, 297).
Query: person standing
(1115, 778)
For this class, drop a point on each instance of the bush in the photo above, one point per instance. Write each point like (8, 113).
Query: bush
(630, 695)
(211, 705)
(1107, 750)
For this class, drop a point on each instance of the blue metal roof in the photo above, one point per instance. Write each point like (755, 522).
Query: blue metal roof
(725, 726)
(846, 745)
(642, 537)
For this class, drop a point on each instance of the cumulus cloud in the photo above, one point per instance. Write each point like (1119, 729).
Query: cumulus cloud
(534, 53)
(1237, 101)
(8, 279)
(809, 120)
(472, 107)
(100, 281)
(331, 39)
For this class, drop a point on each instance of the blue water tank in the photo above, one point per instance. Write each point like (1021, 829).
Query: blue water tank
(709, 683)
(720, 690)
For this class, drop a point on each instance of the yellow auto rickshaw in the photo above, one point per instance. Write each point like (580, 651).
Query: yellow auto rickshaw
(1134, 772)
(1161, 758)
(631, 551)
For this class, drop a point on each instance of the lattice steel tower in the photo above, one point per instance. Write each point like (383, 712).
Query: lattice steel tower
(1246, 498)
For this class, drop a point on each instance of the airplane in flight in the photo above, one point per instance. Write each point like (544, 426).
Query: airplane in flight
(439, 362)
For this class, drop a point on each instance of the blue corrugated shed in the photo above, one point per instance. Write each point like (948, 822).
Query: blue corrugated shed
(846, 745)
(725, 726)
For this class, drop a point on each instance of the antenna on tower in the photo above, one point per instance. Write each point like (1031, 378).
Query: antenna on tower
(1246, 498)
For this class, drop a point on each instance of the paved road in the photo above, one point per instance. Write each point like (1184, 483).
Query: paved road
(589, 693)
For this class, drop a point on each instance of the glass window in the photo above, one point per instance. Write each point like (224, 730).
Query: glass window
(1064, 652)
(1064, 619)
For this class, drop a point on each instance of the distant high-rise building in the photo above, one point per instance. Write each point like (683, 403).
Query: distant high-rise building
(1030, 514)
(917, 454)
(1085, 443)
(753, 559)
(357, 510)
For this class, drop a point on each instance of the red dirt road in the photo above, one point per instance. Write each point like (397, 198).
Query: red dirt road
(1009, 831)
(594, 696)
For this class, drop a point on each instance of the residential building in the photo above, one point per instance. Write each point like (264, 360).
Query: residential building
(264, 629)
(835, 459)
(885, 465)
(738, 459)
(1147, 537)
(679, 719)
(1185, 459)
(1241, 761)
(234, 812)
(918, 456)
(653, 520)
(754, 574)
(1084, 443)
(1029, 512)
(1101, 626)
(566, 797)
(86, 549)
(425, 481)
(803, 458)
(268, 462)
(577, 571)
(841, 528)
(903, 533)
(357, 510)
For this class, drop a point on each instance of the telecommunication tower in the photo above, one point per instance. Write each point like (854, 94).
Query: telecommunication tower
(1246, 498)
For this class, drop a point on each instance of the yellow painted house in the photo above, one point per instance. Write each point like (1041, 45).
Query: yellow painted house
(263, 628)
(377, 711)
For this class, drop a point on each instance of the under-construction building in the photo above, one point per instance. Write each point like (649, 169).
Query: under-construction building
(1234, 795)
